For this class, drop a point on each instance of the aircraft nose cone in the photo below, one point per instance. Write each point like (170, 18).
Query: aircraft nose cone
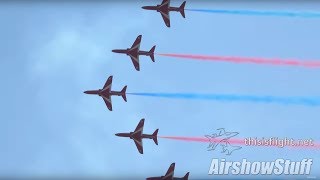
(117, 51)
(86, 92)
(143, 7)
(117, 134)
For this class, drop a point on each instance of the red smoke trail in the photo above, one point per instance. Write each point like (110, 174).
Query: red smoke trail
(203, 139)
(232, 141)
(233, 59)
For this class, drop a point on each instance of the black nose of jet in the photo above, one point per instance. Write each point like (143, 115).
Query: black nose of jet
(118, 51)
(117, 134)
(91, 92)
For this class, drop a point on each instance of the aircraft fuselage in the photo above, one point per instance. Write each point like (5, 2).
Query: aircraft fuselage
(158, 8)
(131, 135)
(104, 93)
(155, 8)
(130, 52)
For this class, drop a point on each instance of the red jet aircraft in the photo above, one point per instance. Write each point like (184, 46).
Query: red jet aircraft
(169, 175)
(137, 136)
(106, 93)
(134, 52)
(164, 9)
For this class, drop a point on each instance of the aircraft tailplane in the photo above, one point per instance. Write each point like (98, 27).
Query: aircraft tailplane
(186, 176)
(155, 136)
(151, 52)
(123, 93)
(181, 9)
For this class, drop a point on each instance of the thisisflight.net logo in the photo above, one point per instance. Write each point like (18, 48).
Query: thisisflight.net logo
(244, 167)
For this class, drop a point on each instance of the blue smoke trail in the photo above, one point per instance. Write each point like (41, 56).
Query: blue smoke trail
(308, 101)
(261, 13)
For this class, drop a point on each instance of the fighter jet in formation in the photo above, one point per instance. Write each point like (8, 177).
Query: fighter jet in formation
(169, 175)
(134, 52)
(106, 93)
(164, 9)
(137, 136)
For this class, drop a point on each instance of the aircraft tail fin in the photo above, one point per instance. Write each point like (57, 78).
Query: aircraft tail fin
(185, 177)
(123, 93)
(155, 136)
(152, 53)
(181, 9)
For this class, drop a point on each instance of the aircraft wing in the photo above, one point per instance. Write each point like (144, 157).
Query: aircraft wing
(108, 84)
(169, 175)
(139, 128)
(165, 3)
(136, 44)
(135, 61)
(108, 102)
(170, 172)
(166, 18)
(139, 145)
(137, 136)
(165, 14)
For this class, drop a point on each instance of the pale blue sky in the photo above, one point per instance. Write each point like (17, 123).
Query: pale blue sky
(51, 52)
